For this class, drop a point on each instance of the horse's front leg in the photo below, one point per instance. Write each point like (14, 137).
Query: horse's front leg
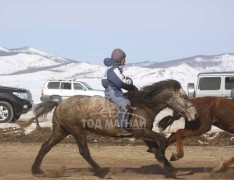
(224, 165)
(179, 146)
(178, 138)
(157, 143)
(175, 137)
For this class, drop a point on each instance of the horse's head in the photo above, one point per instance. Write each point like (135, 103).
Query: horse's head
(173, 96)
(181, 103)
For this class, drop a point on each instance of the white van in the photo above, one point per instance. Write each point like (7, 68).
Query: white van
(59, 89)
(212, 84)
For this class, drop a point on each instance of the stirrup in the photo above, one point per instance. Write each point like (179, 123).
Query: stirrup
(122, 132)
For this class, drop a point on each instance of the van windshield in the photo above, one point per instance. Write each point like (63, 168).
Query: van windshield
(210, 83)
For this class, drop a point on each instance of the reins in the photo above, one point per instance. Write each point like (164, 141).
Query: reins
(186, 108)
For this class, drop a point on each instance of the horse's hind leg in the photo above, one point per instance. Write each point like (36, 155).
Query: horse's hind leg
(55, 138)
(81, 140)
(224, 165)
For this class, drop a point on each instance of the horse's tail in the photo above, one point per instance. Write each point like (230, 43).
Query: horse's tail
(44, 108)
(26, 123)
(168, 121)
(41, 109)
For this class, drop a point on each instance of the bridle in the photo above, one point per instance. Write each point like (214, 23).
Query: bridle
(183, 107)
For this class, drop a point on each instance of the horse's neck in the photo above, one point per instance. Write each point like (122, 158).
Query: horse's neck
(148, 113)
(137, 99)
(159, 108)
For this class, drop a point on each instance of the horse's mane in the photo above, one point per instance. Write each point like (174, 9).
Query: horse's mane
(144, 96)
(158, 87)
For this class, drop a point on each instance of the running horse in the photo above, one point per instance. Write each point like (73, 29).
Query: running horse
(215, 111)
(79, 114)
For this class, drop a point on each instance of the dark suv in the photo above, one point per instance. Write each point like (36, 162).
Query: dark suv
(13, 103)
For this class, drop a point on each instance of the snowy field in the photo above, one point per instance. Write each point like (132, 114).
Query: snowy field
(48, 123)
(29, 60)
(34, 82)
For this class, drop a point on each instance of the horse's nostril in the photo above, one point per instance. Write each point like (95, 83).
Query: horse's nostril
(196, 116)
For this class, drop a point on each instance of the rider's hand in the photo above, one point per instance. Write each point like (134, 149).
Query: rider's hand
(133, 88)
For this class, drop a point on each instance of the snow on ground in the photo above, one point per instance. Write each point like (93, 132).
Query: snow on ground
(47, 122)
(35, 81)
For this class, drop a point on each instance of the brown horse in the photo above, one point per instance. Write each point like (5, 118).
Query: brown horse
(79, 114)
(212, 111)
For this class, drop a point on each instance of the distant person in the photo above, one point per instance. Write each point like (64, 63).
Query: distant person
(113, 81)
(232, 92)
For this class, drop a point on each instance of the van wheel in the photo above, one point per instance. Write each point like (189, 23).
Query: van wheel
(6, 112)
(56, 98)
(191, 90)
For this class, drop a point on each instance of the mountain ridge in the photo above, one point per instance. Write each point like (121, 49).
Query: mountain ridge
(198, 62)
(188, 60)
(30, 68)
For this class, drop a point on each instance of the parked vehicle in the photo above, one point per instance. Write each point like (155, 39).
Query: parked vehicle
(13, 103)
(57, 90)
(212, 84)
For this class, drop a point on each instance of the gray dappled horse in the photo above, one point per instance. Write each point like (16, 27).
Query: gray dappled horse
(79, 114)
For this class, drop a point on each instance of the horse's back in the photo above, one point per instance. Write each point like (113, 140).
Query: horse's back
(218, 110)
(84, 107)
(205, 99)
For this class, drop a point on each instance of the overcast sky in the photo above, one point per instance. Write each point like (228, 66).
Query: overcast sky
(147, 30)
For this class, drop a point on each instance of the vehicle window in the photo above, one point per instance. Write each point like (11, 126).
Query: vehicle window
(87, 86)
(210, 83)
(65, 85)
(53, 85)
(229, 82)
(78, 86)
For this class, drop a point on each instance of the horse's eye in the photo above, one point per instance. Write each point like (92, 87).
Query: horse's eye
(184, 96)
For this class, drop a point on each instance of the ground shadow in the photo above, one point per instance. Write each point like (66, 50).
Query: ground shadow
(144, 170)
(226, 174)
(181, 173)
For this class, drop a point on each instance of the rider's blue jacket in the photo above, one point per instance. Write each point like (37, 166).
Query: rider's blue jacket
(114, 76)
(232, 93)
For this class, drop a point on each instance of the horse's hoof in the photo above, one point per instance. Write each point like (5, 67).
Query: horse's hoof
(37, 171)
(38, 128)
(170, 168)
(151, 150)
(100, 173)
(174, 157)
(219, 169)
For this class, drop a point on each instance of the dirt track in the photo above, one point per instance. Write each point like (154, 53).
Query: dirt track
(121, 159)
(119, 162)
